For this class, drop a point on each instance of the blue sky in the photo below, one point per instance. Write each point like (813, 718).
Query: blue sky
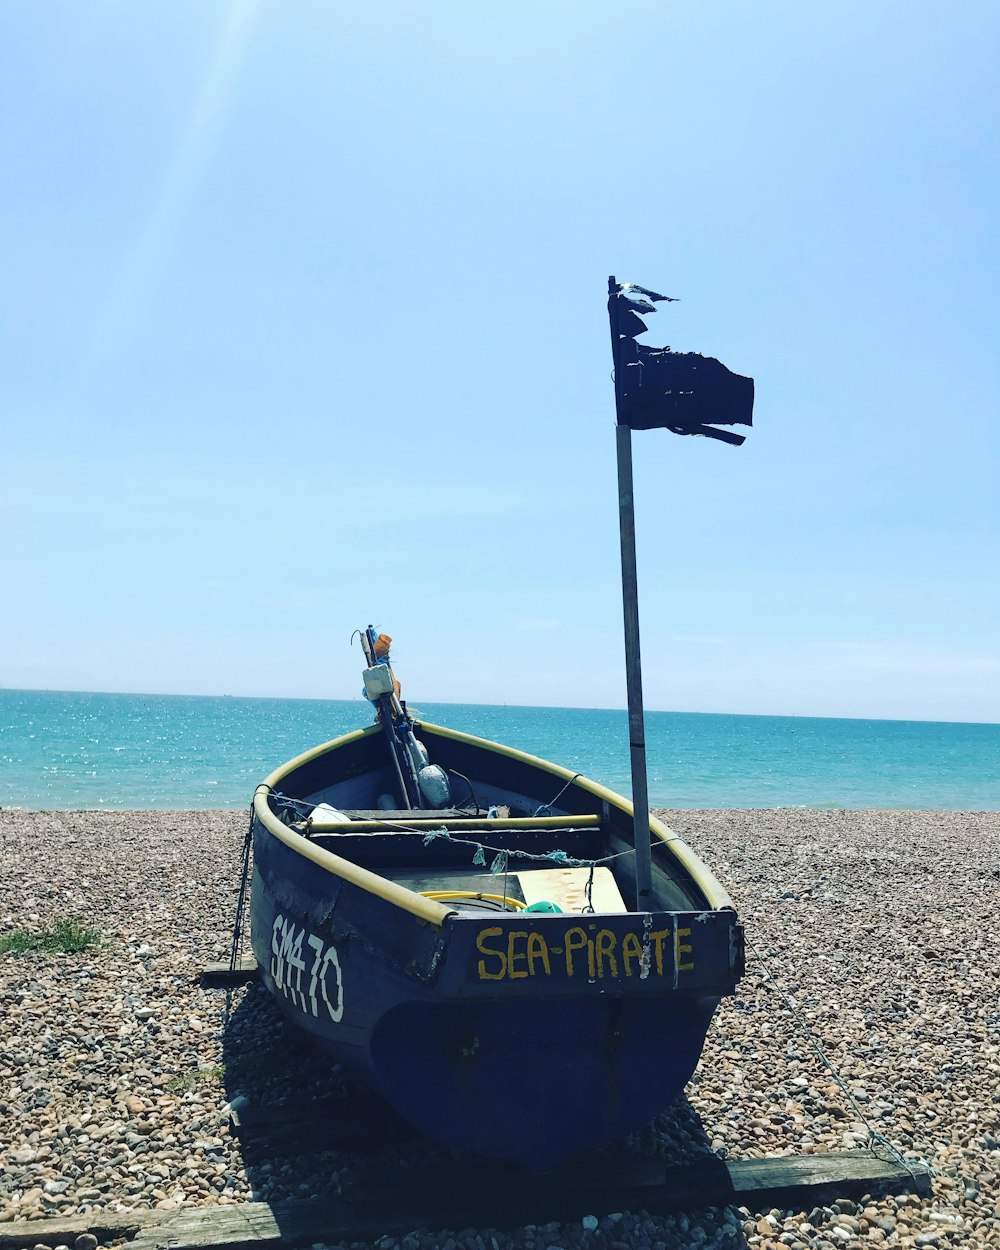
(304, 328)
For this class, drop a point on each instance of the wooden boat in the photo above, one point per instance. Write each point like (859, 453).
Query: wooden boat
(456, 920)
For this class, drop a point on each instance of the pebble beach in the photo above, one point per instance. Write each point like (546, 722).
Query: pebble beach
(870, 932)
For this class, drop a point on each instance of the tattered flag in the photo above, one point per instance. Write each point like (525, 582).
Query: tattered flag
(657, 388)
(641, 306)
(630, 324)
(658, 299)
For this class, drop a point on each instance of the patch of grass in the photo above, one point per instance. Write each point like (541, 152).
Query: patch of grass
(66, 937)
(185, 1081)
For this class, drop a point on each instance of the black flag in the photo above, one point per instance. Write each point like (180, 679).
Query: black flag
(657, 388)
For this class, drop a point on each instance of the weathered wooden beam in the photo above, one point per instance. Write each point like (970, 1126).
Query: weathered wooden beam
(59, 1230)
(756, 1182)
(473, 1194)
(366, 1120)
(242, 1225)
(223, 977)
(479, 1194)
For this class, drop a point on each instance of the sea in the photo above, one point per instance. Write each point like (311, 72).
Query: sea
(62, 750)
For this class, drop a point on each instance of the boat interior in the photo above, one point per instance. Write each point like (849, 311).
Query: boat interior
(470, 822)
(496, 849)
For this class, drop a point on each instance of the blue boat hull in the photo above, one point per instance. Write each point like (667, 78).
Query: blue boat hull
(527, 1038)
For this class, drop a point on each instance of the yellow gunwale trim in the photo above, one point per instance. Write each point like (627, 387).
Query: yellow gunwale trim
(410, 900)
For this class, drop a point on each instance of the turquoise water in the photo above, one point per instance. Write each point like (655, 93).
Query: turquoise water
(74, 750)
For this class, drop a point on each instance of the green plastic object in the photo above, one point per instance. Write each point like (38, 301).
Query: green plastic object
(550, 907)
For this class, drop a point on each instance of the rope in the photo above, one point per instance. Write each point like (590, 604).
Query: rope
(501, 854)
(236, 947)
(874, 1136)
(303, 808)
(296, 805)
(546, 808)
(590, 891)
(498, 865)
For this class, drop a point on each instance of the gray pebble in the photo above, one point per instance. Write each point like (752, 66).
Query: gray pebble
(911, 1046)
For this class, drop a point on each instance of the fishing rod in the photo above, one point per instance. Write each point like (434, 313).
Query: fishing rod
(380, 689)
(425, 785)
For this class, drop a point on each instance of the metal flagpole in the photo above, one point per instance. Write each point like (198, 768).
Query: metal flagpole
(630, 606)
(688, 394)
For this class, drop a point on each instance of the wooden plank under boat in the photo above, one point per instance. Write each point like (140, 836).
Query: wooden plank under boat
(405, 943)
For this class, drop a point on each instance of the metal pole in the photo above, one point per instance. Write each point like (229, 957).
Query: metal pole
(633, 671)
(630, 606)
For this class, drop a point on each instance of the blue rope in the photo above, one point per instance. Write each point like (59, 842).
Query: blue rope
(501, 855)
(500, 863)
(548, 809)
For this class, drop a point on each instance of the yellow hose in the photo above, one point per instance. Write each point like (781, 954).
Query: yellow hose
(441, 896)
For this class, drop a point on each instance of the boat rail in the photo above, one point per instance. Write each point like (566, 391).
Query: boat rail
(459, 824)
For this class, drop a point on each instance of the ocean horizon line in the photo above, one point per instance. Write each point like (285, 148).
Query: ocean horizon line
(532, 707)
(90, 749)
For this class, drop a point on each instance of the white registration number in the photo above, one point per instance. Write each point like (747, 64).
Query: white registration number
(306, 969)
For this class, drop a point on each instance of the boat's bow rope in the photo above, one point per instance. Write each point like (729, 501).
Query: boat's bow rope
(875, 1138)
(236, 947)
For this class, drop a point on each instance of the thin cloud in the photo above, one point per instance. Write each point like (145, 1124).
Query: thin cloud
(903, 658)
(132, 291)
(534, 623)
